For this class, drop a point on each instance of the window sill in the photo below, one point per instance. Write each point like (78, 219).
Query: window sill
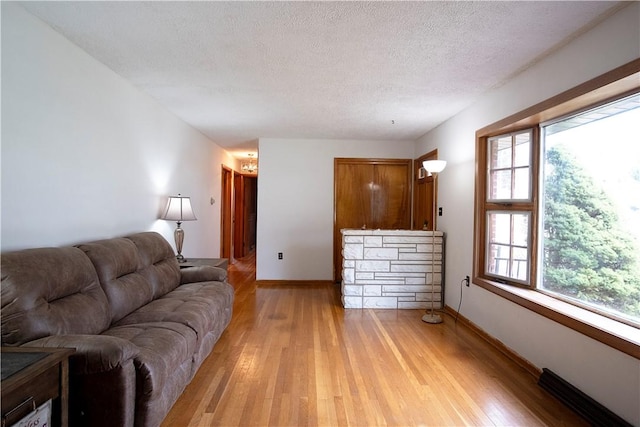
(615, 334)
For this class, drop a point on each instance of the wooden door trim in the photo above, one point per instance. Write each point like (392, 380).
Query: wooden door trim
(417, 165)
(372, 161)
(226, 212)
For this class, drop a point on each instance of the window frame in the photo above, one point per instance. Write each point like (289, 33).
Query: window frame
(529, 249)
(513, 167)
(512, 205)
(603, 89)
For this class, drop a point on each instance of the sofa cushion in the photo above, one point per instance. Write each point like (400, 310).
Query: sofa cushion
(117, 261)
(50, 291)
(158, 262)
(202, 306)
(218, 296)
(163, 366)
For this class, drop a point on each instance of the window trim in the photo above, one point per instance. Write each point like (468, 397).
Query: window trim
(612, 85)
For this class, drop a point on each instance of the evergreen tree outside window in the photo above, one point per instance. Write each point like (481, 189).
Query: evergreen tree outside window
(590, 237)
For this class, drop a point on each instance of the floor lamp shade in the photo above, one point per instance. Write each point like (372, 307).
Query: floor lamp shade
(434, 166)
(179, 209)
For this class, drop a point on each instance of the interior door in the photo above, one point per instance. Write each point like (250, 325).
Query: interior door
(370, 193)
(225, 207)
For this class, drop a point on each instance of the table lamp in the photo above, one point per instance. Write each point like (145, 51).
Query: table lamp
(179, 209)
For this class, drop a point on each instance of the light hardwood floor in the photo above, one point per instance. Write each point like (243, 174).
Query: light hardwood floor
(292, 356)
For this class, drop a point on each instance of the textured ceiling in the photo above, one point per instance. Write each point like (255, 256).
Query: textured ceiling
(238, 71)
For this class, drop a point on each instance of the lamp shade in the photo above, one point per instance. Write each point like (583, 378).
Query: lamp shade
(179, 209)
(434, 166)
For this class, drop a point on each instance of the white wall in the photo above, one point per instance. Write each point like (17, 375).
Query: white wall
(609, 376)
(85, 155)
(295, 202)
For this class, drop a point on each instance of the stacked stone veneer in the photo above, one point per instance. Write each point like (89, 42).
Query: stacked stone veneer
(391, 268)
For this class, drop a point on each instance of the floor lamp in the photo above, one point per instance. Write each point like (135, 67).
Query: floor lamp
(434, 167)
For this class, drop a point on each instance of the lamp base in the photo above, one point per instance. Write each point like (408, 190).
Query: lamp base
(432, 318)
(178, 234)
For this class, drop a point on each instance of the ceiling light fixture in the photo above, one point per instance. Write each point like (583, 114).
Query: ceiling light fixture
(250, 165)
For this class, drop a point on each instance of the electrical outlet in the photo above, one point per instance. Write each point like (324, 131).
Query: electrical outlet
(279, 255)
(440, 211)
(466, 279)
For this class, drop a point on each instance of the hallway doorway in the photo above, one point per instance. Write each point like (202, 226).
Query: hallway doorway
(245, 191)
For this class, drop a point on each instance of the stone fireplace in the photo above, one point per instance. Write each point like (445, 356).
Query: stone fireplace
(391, 268)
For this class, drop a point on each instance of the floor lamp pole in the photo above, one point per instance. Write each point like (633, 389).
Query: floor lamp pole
(432, 317)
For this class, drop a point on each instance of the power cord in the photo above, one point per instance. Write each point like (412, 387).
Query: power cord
(466, 282)
(460, 302)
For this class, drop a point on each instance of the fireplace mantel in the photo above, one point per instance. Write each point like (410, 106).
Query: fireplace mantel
(391, 268)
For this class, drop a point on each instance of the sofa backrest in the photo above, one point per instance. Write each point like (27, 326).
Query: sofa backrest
(50, 291)
(158, 262)
(117, 263)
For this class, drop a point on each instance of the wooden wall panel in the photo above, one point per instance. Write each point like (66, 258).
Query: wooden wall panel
(370, 193)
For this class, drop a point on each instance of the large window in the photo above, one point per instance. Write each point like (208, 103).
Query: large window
(590, 227)
(558, 202)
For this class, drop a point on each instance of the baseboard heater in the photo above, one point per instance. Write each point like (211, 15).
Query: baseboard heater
(585, 406)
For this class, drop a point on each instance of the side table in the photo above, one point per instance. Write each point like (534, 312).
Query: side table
(32, 376)
(213, 262)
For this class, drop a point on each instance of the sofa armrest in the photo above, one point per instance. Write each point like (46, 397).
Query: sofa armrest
(102, 379)
(204, 273)
(94, 353)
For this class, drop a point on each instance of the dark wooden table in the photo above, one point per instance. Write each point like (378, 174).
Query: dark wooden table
(32, 376)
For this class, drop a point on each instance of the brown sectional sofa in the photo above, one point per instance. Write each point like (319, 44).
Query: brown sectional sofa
(141, 326)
